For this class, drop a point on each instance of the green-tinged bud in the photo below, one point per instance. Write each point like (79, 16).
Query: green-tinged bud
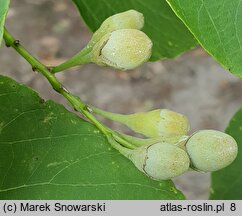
(123, 49)
(163, 123)
(159, 123)
(130, 19)
(160, 161)
(211, 150)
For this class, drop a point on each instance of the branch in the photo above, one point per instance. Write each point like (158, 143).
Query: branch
(75, 101)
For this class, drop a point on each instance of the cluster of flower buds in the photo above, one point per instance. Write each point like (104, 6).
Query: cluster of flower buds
(169, 152)
(118, 43)
(173, 152)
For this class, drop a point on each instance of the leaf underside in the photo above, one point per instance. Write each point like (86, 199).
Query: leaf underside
(47, 152)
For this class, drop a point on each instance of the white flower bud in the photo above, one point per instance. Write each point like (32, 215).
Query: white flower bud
(123, 49)
(211, 150)
(130, 19)
(160, 161)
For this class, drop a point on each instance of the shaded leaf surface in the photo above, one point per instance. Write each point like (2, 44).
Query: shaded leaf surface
(46, 152)
(227, 183)
(217, 25)
(4, 4)
(169, 35)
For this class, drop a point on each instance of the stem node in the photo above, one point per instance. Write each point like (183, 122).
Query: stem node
(58, 88)
(16, 43)
(34, 68)
(65, 89)
(49, 68)
(89, 109)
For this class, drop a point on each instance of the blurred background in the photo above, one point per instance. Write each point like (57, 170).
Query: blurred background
(192, 84)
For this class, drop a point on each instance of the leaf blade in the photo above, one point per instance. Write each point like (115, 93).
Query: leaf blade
(226, 183)
(216, 26)
(47, 152)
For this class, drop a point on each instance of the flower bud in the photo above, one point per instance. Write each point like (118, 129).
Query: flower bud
(162, 123)
(123, 49)
(130, 19)
(159, 123)
(211, 150)
(160, 161)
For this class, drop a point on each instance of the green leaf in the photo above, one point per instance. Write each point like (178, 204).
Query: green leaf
(227, 183)
(4, 4)
(169, 35)
(46, 152)
(217, 26)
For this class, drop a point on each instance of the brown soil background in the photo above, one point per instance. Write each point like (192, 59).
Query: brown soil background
(193, 84)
